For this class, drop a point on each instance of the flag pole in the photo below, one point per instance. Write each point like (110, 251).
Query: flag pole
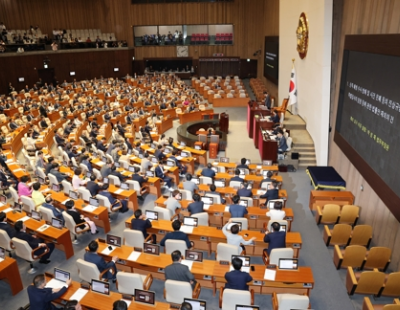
(287, 109)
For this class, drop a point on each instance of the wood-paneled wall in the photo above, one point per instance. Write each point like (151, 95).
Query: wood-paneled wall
(365, 17)
(252, 21)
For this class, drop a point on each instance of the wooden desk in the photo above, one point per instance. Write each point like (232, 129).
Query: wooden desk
(252, 109)
(170, 113)
(321, 198)
(164, 125)
(268, 148)
(10, 273)
(130, 195)
(192, 116)
(60, 237)
(200, 155)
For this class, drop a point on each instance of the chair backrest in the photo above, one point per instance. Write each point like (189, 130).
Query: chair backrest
(103, 201)
(276, 254)
(340, 234)
(370, 282)
(97, 174)
(378, 257)
(361, 235)
(5, 240)
(22, 249)
(243, 220)
(330, 213)
(173, 245)
(124, 163)
(66, 187)
(41, 173)
(69, 223)
(349, 214)
(128, 282)
(114, 180)
(13, 193)
(87, 271)
(203, 218)
(83, 167)
(392, 285)
(176, 291)
(28, 204)
(186, 194)
(292, 301)
(47, 214)
(133, 238)
(84, 193)
(231, 298)
(354, 256)
(134, 185)
(225, 251)
(281, 222)
(52, 179)
(216, 198)
(205, 180)
(163, 213)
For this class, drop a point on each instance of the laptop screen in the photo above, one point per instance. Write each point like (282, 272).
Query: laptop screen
(146, 297)
(282, 228)
(150, 174)
(219, 183)
(190, 221)
(56, 223)
(196, 304)
(93, 202)
(267, 162)
(184, 154)
(224, 159)
(105, 180)
(288, 263)
(153, 249)
(194, 255)
(151, 215)
(131, 169)
(170, 163)
(73, 195)
(124, 186)
(141, 156)
(207, 200)
(100, 287)
(114, 240)
(153, 146)
(55, 187)
(167, 151)
(61, 275)
(195, 181)
(154, 160)
(245, 260)
(36, 215)
(183, 143)
(247, 307)
(243, 202)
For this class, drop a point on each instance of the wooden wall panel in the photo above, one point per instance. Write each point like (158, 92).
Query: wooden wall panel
(365, 17)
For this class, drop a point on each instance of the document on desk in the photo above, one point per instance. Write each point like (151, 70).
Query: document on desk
(260, 192)
(24, 218)
(43, 227)
(188, 263)
(89, 208)
(134, 256)
(269, 274)
(179, 157)
(79, 294)
(259, 167)
(19, 169)
(53, 283)
(7, 210)
(187, 229)
(226, 209)
(107, 251)
(118, 191)
(206, 207)
(100, 163)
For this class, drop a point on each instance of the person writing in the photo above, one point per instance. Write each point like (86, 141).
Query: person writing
(93, 257)
(275, 239)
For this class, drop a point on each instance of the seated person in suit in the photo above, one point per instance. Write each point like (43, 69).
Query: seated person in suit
(34, 242)
(177, 271)
(277, 213)
(92, 186)
(276, 239)
(233, 236)
(236, 209)
(275, 117)
(243, 191)
(182, 168)
(208, 172)
(267, 179)
(113, 201)
(272, 192)
(159, 152)
(243, 164)
(237, 279)
(120, 176)
(237, 177)
(93, 257)
(79, 218)
(196, 206)
(213, 189)
(176, 235)
(86, 162)
(189, 185)
(172, 203)
(41, 297)
(49, 166)
(106, 169)
(49, 205)
(56, 172)
(282, 146)
(141, 180)
(159, 173)
(102, 144)
(141, 223)
(5, 226)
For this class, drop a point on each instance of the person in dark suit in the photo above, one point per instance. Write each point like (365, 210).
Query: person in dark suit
(34, 242)
(59, 139)
(272, 192)
(243, 191)
(80, 219)
(159, 153)
(49, 166)
(13, 125)
(267, 100)
(208, 172)
(41, 297)
(113, 201)
(159, 173)
(93, 257)
(275, 239)
(213, 189)
(275, 117)
(237, 177)
(42, 110)
(120, 305)
(236, 209)
(101, 145)
(141, 223)
(182, 168)
(282, 146)
(92, 186)
(118, 174)
(177, 271)
(236, 279)
(267, 179)
(197, 206)
(5, 226)
(141, 180)
(56, 172)
(176, 235)
(243, 164)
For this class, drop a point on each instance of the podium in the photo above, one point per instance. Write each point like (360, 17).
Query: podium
(259, 124)
(224, 122)
(253, 109)
(268, 148)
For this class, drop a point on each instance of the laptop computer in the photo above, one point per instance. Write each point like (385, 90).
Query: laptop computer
(131, 168)
(141, 156)
(154, 160)
(73, 195)
(282, 228)
(150, 174)
(195, 181)
(113, 241)
(243, 202)
(219, 183)
(153, 146)
(151, 215)
(207, 200)
(57, 223)
(224, 159)
(36, 215)
(105, 180)
(196, 303)
(170, 163)
(288, 263)
(55, 187)
(245, 261)
(182, 143)
(153, 249)
(100, 287)
(145, 297)
(190, 221)
(94, 202)
(197, 147)
(124, 186)
(267, 162)
(184, 154)
(196, 256)
(60, 279)
(246, 307)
